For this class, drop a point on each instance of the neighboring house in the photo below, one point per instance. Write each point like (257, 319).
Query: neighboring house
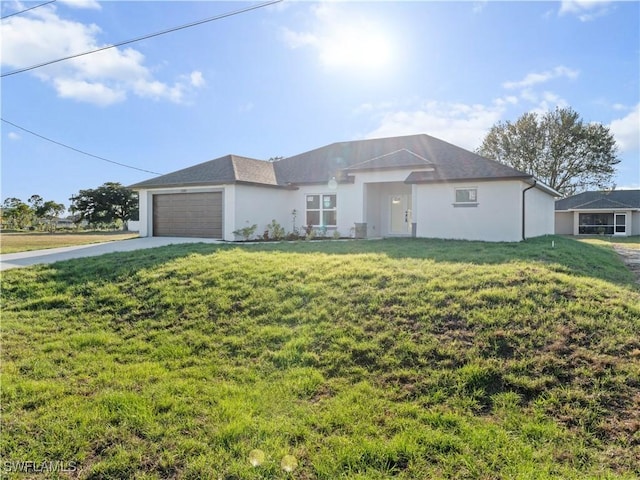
(402, 186)
(614, 212)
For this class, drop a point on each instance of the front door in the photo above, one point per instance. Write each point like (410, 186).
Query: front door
(620, 224)
(400, 214)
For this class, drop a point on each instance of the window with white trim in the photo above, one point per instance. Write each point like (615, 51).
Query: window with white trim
(466, 196)
(322, 210)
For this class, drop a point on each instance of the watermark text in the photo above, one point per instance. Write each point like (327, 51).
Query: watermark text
(30, 466)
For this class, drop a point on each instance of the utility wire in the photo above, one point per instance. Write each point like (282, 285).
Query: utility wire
(26, 10)
(145, 37)
(77, 150)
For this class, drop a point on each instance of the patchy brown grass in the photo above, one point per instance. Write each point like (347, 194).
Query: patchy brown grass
(24, 242)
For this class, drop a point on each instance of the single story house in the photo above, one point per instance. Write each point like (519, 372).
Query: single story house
(615, 212)
(406, 186)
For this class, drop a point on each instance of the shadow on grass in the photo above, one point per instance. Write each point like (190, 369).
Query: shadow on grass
(565, 254)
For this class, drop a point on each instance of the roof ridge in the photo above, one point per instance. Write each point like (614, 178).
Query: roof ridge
(581, 205)
(392, 153)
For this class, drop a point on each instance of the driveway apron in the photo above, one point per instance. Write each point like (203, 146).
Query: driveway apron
(52, 255)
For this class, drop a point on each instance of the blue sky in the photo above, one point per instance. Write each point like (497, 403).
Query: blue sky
(291, 77)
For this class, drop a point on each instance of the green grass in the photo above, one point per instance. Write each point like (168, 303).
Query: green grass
(24, 242)
(361, 359)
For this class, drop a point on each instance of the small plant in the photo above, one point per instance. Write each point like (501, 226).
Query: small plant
(336, 235)
(294, 215)
(265, 235)
(247, 232)
(309, 233)
(322, 231)
(275, 230)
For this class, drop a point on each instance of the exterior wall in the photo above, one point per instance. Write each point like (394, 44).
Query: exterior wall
(496, 218)
(635, 223)
(261, 205)
(348, 206)
(146, 205)
(539, 213)
(564, 223)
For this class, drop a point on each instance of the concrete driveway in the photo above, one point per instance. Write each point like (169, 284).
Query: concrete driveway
(52, 255)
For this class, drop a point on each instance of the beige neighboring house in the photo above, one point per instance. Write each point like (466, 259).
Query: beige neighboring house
(405, 186)
(615, 212)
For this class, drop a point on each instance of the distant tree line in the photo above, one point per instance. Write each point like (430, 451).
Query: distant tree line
(108, 206)
(36, 214)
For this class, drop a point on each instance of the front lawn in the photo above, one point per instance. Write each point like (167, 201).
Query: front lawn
(24, 242)
(412, 359)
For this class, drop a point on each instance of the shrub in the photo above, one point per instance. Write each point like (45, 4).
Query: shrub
(275, 230)
(247, 232)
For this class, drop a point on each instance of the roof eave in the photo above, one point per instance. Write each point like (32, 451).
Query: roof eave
(543, 186)
(138, 187)
(467, 179)
(610, 209)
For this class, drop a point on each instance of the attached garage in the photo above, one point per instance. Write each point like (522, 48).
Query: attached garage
(188, 215)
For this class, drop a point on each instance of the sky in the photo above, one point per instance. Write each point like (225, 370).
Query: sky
(290, 77)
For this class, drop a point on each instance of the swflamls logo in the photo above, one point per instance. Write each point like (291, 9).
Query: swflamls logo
(30, 466)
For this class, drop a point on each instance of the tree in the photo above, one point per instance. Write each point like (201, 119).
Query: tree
(50, 211)
(16, 213)
(558, 148)
(106, 204)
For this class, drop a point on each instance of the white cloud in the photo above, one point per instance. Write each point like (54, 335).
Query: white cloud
(626, 131)
(461, 124)
(585, 10)
(83, 91)
(93, 4)
(101, 78)
(537, 78)
(197, 80)
(13, 136)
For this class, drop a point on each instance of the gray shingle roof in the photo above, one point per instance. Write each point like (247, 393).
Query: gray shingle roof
(419, 152)
(223, 170)
(601, 200)
(402, 158)
(450, 162)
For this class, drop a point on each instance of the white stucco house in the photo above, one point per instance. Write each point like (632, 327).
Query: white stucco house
(404, 186)
(615, 212)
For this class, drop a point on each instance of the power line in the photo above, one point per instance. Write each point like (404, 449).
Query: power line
(77, 150)
(26, 10)
(145, 37)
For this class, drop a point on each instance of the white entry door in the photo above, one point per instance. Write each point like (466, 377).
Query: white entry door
(400, 214)
(620, 224)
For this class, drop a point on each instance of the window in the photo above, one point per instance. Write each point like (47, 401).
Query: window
(321, 210)
(595, 224)
(466, 196)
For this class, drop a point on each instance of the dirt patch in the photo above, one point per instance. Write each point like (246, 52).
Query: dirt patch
(630, 257)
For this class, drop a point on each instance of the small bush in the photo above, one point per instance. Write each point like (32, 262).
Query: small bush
(247, 232)
(275, 230)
